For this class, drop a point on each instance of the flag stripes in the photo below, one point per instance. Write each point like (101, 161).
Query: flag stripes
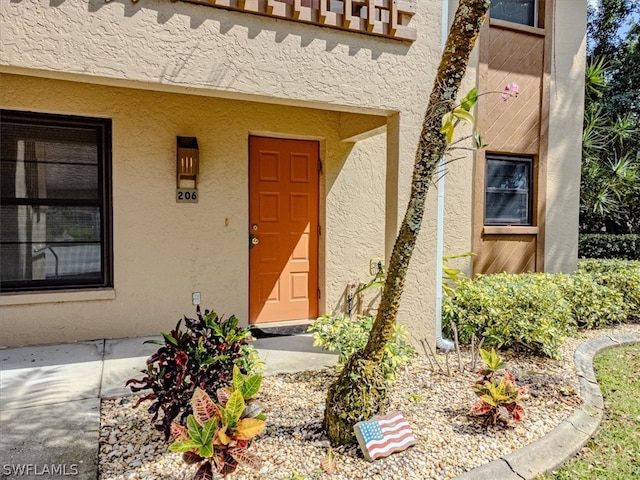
(383, 435)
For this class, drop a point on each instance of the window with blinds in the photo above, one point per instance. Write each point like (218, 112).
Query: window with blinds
(54, 201)
(508, 191)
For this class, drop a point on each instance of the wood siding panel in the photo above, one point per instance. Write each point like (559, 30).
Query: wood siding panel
(507, 253)
(512, 53)
(513, 125)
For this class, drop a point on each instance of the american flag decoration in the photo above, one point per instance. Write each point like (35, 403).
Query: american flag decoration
(383, 435)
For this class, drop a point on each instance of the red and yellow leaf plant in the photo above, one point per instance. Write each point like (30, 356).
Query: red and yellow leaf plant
(217, 436)
(500, 400)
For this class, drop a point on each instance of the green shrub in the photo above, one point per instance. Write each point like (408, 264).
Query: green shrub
(536, 310)
(527, 311)
(620, 275)
(592, 305)
(203, 355)
(348, 336)
(606, 245)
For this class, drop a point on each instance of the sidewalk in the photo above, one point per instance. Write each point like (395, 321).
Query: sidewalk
(50, 404)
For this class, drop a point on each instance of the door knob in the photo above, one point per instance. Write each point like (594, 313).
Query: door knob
(253, 241)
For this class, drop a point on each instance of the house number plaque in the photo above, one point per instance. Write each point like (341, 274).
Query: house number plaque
(186, 195)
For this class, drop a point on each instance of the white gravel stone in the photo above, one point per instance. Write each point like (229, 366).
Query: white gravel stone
(450, 440)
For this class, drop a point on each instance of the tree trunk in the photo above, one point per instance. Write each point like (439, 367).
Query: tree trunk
(360, 392)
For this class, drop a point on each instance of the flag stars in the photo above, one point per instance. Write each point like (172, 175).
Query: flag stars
(371, 431)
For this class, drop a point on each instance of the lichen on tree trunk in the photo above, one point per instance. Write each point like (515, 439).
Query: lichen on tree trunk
(358, 393)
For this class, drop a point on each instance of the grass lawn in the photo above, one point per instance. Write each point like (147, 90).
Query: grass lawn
(614, 452)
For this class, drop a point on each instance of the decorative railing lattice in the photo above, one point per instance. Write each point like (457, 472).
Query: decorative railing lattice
(385, 18)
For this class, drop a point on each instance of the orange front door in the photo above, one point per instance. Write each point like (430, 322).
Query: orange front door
(283, 229)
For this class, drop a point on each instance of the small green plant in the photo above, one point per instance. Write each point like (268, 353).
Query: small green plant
(218, 436)
(315, 474)
(201, 356)
(415, 398)
(492, 363)
(462, 113)
(296, 476)
(356, 294)
(452, 277)
(377, 273)
(329, 463)
(499, 397)
(348, 336)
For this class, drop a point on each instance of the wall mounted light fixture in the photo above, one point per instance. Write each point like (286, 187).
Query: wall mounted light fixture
(187, 162)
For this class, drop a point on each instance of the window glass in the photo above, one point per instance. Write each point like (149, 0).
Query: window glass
(508, 192)
(54, 202)
(516, 11)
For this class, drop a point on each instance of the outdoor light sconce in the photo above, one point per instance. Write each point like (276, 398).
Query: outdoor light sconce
(187, 165)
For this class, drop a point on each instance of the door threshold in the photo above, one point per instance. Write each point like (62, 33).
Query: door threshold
(280, 329)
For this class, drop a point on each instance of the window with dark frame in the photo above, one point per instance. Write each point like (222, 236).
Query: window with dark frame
(508, 190)
(55, 199)
(524, 12)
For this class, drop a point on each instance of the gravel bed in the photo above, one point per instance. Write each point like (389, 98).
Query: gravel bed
(437, 406)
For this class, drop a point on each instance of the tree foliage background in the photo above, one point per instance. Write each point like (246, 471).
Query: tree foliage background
(610, 185)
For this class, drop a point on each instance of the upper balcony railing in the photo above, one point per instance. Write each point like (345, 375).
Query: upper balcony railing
(385, 18)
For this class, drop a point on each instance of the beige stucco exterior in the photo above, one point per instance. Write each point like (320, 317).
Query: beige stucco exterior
(565, 137)
(160, 69)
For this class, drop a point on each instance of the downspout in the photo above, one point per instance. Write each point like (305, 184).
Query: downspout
(442, 343)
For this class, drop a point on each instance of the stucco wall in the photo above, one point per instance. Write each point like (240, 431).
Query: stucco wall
(184, 48)
(565, 136)
(163, 250)
(169, 44)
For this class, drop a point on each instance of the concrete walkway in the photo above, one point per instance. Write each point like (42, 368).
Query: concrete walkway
(50, 404)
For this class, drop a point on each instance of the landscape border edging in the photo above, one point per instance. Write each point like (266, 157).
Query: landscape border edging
(565, 440)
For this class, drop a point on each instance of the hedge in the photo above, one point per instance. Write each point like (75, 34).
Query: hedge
(621, 275)
(602, 245)
(527, 312)
(536, 311)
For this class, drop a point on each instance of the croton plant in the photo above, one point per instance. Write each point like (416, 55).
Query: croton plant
(499, 397)
(217, 436)
(202, 355)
